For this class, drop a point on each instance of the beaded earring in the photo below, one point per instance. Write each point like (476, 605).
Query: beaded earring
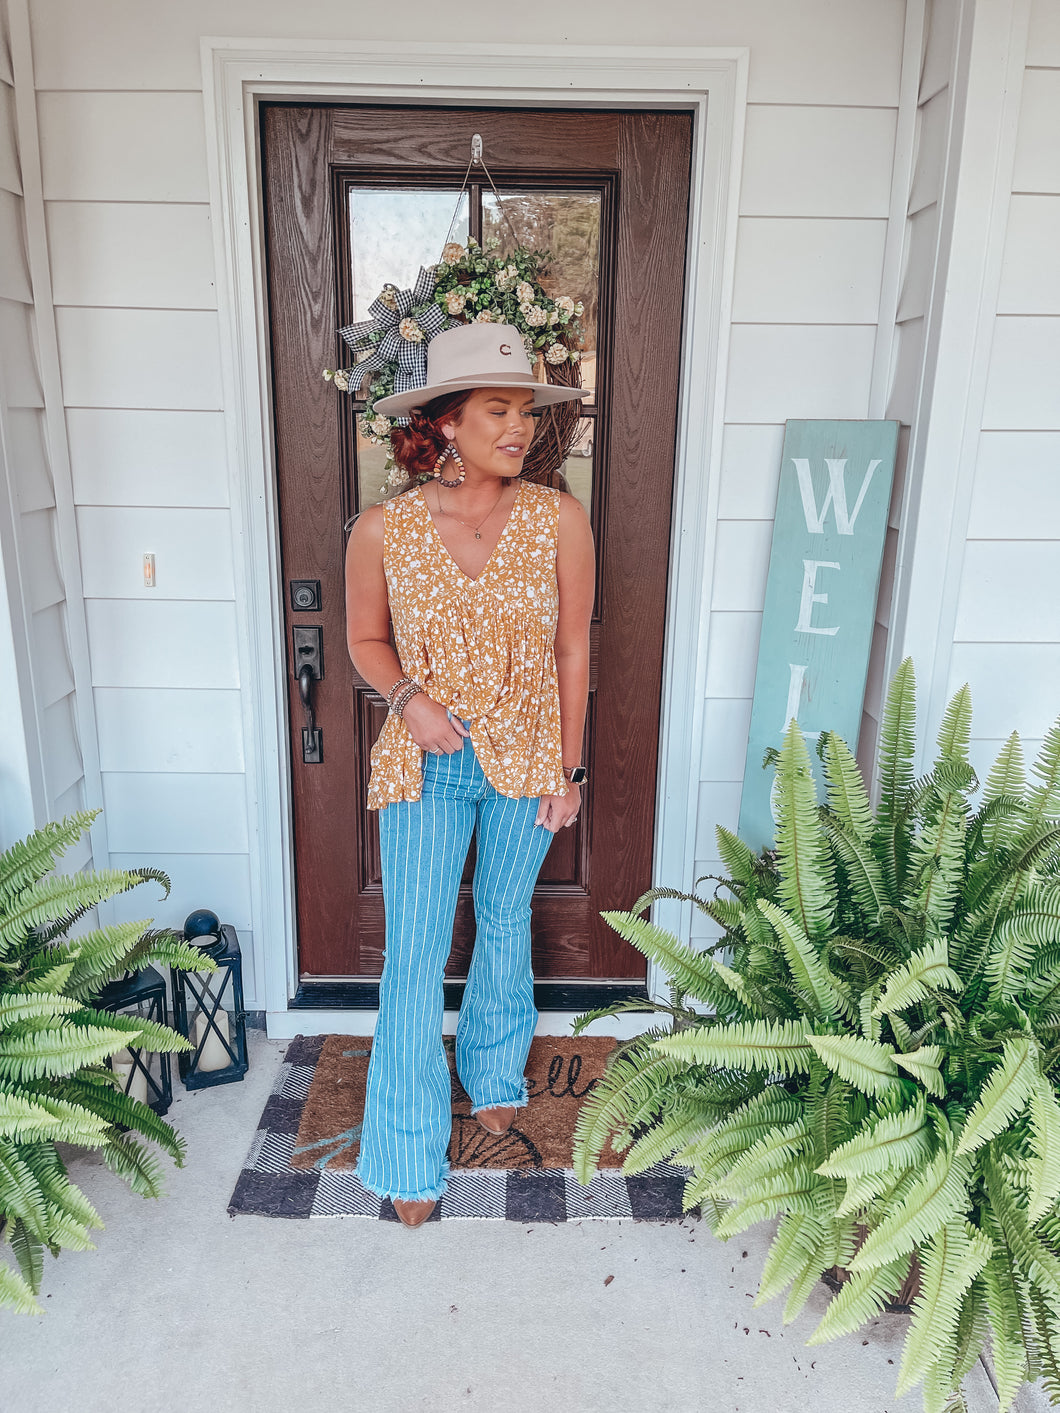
(450, 450)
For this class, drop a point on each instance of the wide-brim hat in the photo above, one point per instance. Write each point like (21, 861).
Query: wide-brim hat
(477, 356)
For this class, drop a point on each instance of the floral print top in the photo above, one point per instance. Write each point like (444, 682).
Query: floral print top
(484, 648)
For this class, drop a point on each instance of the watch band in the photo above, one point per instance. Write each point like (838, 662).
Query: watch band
(576, 774)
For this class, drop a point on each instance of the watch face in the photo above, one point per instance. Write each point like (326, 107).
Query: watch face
(578, 775)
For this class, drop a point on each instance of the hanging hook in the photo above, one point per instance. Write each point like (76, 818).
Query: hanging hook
(476, 149)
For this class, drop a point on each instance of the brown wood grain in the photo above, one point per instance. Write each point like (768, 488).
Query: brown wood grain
(641, 164)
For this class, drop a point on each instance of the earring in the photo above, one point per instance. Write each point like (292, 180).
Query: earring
(450, 450)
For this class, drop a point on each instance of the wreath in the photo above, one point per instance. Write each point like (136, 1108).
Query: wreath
(469, 285)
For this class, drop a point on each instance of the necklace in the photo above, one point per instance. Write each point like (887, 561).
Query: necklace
(477, 528)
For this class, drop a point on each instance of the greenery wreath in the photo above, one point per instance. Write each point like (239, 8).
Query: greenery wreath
(470, 284)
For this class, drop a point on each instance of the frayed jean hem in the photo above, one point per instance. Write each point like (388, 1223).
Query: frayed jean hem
(520, 1103)
(425, 1194)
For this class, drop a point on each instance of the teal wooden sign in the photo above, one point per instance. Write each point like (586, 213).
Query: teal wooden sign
(824, 577)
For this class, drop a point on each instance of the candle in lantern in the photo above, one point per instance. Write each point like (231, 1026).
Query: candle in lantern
(122, 1064)
(213, 1055)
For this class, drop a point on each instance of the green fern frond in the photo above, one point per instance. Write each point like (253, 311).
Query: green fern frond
(803, 861)
(29, 1253)
(1044, 798)
(34, 1120)
(1028, 928)
(688, 970)
(773, 1046)
(955, 732)
(949, 1262)
(847, 796)
(897, 749)
(16, 1294)
(1030, 1253)
(139, 1031)
(798, 1236)
(674, 1131)
(29, 859)
(911, 982)
(791, 1190)
(741, 861)
(865, 875)
(808, 969)
(631, 1003)
(936, 858)
(20, 1195)
(754, 1119)
(1004, 1095)
(52, 897)
(135, 1163)
(895, 1141)
(1006, 779)
(1045, 1141)
(56, 1051)
(117, 1108)
(772, 1152)
(940, 1195)
(860, 1299)
(1003, 1303)
(863, 1063)
(923, 1064)
(26, 1005)
(631, 1082)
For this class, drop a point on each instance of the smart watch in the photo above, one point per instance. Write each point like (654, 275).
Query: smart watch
(576, 774)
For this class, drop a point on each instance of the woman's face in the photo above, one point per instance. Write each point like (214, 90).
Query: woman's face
(493, 430)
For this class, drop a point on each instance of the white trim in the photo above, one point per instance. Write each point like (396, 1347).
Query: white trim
(69, 553)
(986, 86)
(236, 74)
(905, 138)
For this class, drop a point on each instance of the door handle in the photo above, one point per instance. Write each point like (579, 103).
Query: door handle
(309, 653)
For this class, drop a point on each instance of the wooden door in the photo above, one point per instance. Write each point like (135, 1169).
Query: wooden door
(357, 194)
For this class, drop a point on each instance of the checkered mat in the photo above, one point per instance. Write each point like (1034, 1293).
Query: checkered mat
(302, 1157)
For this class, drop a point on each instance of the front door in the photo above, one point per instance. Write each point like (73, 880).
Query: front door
(355, 196)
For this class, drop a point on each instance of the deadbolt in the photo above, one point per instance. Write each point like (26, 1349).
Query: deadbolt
(305, 595)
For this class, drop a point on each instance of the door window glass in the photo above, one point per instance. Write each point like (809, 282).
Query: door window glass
(393, 232)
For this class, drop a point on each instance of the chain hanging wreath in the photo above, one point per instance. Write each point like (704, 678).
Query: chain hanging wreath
(469, 285)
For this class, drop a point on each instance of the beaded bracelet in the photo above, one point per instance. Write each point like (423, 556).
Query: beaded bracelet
(401, 701)
(401, 682)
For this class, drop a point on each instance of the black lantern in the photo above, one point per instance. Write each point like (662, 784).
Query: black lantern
(146, 1074)
(208, 1006)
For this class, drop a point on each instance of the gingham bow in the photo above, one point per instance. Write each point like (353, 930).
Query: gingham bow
(410, 355)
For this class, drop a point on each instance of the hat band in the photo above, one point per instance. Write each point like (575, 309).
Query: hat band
(472, 379)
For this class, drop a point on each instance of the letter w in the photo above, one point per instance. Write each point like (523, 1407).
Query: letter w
(836, 495)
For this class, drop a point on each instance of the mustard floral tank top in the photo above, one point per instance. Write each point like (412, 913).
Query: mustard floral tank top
(484, 648)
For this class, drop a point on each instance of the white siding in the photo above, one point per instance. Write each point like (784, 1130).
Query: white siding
(41, 766)
(1007, 637)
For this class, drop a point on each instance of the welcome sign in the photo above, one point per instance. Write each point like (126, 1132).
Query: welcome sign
(824, 576)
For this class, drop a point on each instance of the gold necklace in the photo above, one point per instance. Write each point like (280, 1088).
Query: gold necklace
(477, 528)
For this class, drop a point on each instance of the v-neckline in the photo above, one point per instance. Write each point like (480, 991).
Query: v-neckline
(493, 552)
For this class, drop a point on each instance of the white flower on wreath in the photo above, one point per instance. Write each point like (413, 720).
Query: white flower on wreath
(553, 318)
(565, 305)
(380, 425)
(410, 331)
(525, 293)
(388, 296)
(395, 477)
(579, 309)
(536, 316)
(556, 353)
(455, 301)
(511, 272)
(342, 380)
(453, 253)
(574, 355)
(484, 317)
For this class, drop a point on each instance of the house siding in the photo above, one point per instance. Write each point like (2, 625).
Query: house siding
(1007, 634)
(42, 771)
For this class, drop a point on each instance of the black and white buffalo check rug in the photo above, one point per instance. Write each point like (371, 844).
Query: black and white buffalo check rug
(301, 1160)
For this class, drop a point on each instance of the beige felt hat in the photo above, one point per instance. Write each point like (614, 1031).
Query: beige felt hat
(476, 356)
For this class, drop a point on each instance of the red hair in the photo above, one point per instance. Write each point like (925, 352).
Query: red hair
(418, 446)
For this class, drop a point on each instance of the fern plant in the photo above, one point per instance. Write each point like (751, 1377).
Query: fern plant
(54, 1086)
(878, 1063)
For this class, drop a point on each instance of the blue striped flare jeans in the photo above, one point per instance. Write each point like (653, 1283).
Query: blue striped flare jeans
(408, 1108)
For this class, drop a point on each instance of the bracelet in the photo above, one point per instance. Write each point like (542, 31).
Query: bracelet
(413, 689)
(401, 682)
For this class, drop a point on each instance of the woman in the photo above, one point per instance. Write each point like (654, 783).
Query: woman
(488, 581)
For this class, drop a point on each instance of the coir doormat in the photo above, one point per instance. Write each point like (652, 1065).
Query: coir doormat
(302, 1158)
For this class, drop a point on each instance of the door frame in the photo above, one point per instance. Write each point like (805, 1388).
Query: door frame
(237, 75)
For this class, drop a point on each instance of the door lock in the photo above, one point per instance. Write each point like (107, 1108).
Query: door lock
(309, 668)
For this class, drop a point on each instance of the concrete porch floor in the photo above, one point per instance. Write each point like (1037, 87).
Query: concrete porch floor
(182, 1306)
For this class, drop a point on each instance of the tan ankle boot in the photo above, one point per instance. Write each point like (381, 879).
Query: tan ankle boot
(496, 1120)
(413, 1214)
